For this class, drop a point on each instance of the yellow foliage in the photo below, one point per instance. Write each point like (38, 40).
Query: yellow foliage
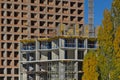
(62, 27)
(90, 67)
(86, 31)
(117, 42)
(77, 29)
(70, 32)
(27, 41)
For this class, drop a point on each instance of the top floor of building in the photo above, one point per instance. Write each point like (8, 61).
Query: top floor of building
(59, 42)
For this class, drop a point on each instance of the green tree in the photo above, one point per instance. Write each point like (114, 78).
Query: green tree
(90, 66)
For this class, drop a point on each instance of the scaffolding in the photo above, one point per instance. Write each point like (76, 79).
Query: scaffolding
(91, 18)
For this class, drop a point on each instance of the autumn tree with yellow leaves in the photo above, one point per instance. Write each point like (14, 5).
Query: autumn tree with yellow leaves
(107, 60)
(116, 12)
(90, 67)
(106, 48)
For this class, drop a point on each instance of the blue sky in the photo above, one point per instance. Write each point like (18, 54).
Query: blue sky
(99, 6)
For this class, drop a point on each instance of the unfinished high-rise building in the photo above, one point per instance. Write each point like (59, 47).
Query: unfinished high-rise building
(20, 19)
(56, 58)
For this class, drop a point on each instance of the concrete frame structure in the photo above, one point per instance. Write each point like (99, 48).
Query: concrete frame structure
(20, 19)
(59, 58)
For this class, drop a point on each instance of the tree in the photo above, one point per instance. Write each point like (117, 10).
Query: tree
(108, 52)
(106, 49)
(116, 12)
(90, 66)
(116, 72)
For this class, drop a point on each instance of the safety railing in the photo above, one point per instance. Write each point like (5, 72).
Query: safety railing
(28, 48)
(92, 46)
(81, 45)
(71, 45)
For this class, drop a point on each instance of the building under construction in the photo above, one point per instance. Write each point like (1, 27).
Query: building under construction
(57, 58)
(39, 19)
(36, 19)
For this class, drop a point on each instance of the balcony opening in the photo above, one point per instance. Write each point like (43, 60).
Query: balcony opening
(16, 71)
(80, 66)
(15, 62)
(3, 5)
(80, 4)
(16, 14)
(72, 4)
(42, 30)
(80, 11)
(69, 43)
(72, 18)
(15, 46)
(9, 29)
(9, 6)
(9, 13)
(9, 71)
(16, 37)
(15, 54)
(9, 21)
(42, 23)
(91, 44)
(58, 10)
(42, 1)
(80, 18)
(42, 16)
(69, 54)
(16, 22)
(3, 62)
(3, 13)
(9, 78)
(81, 43)
(45, 45)
(2, 71)
(72, 11)
(33, 8)
(29, 46)
(9, 54)
(49, 56)
(57, 2)
(80, 54)
(33, 23)
(57, 17)
(9, 62)
(15, 78)
(16, 6)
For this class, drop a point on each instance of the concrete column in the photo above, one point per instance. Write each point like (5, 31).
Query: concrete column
(61, 54)
(76, 70)
(76, 58)
(59, 43)
(61, 71)
(76, 50)
(61, 65)
(24, 76)
(86, 43)
(37, 69)
(86, 46)
(54, 55)
(20, 75)
(37, 54)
